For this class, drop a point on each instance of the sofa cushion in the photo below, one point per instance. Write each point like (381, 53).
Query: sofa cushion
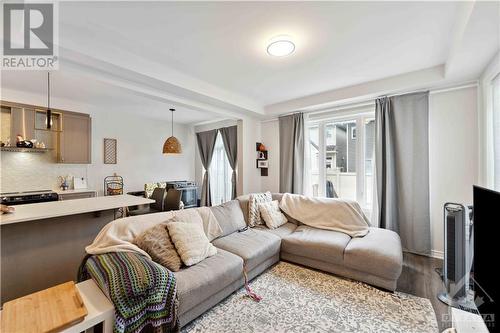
(254, 246)
(379, 252)
(199, 282)
(230, 216)
(285, 230)
(324, 245)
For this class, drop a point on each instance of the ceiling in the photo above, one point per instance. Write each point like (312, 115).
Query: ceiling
(83, 92)
(210, 59)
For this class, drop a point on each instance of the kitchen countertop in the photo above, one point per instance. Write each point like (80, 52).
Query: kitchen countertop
(45, 210)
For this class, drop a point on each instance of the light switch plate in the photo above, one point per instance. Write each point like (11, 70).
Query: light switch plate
(79, 183)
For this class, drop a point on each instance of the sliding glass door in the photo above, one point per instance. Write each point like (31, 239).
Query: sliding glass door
(341, 158)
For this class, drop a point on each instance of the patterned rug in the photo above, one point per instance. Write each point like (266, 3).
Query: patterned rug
(298, 299)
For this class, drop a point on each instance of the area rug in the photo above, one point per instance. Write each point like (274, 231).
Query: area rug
(298, 299)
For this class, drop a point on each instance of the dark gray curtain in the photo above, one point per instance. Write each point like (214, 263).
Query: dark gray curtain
(291, 134)
(230, 139)
(206, 144)
(402, 168)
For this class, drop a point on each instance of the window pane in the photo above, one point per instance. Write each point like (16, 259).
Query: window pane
(340, 142)
(314, 159)
(496, 131)
(220, 174)
(369, 160)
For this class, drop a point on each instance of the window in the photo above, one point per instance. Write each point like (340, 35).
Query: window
(220, 174)
(341, 157)
(496, 132)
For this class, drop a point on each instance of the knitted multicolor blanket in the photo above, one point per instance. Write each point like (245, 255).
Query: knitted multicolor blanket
(142, 291)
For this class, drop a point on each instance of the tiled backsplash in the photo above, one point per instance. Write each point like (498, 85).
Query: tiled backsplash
(34, 171)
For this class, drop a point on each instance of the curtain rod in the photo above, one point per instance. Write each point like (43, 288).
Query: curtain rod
(371, 101)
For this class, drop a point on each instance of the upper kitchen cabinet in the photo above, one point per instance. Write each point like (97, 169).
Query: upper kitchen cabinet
(75, 146)
(65, 135)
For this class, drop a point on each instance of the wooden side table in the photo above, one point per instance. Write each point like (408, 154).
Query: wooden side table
(99, 307)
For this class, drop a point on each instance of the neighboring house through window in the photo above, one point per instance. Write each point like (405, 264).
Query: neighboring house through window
(341, 153)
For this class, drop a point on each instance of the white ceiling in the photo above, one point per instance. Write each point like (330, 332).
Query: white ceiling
(83, 92)
(210, 56)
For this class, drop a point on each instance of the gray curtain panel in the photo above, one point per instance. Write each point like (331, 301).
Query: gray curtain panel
(230, 139)
(402, 168)
(292, 143)
(206, 144)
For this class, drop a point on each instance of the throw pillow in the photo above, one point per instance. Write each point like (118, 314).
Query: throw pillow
(253, 207)
(210, 224)
(272, 215)
(156, 242)
(203, 216)
(191, 242)
(230, 217)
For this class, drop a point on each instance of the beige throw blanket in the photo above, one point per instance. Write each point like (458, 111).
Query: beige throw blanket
(325, 213)
(119, 235)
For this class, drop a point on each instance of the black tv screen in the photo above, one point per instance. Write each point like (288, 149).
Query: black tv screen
(487, 255)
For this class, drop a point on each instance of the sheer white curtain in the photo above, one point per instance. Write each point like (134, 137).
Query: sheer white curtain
(307, 186)
(496, 132)
(220, 174)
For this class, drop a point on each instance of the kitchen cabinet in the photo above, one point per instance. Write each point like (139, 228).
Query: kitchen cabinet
(22, 122)
(75, 145)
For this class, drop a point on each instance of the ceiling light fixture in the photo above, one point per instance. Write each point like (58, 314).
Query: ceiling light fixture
(172, 144)
(280, 46)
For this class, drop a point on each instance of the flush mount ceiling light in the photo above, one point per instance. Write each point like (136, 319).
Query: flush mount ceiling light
(280, 46)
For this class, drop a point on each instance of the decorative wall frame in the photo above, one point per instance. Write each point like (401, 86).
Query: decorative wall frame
(110, 151)
(261, 161)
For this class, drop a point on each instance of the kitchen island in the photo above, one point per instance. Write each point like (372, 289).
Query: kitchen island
(43, 244)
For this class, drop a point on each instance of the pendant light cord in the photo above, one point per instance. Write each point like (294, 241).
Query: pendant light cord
(172, 112)
(48, 90)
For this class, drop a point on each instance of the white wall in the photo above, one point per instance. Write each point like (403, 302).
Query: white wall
(251, 134)
(453, 154)
(270, 138)
(140, 158)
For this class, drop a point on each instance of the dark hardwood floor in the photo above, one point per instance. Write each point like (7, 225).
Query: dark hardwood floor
(419, 278)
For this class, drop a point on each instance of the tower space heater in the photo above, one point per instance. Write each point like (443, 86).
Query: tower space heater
(458, 256)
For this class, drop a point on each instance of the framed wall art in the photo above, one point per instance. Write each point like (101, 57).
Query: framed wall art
(110, 151)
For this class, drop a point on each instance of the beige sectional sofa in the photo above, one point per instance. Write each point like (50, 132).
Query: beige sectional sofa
(375, 259)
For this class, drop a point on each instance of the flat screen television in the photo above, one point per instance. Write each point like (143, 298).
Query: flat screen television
(487, 255)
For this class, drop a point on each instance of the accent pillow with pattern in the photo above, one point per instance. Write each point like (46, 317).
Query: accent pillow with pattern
(255, 199)
(272, 215)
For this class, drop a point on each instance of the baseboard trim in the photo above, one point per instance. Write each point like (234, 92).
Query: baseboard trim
(437, 254)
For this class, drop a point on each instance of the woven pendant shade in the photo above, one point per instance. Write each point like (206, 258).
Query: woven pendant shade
(172, 144)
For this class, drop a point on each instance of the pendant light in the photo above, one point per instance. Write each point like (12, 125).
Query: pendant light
(48, 120)
(172, 144)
